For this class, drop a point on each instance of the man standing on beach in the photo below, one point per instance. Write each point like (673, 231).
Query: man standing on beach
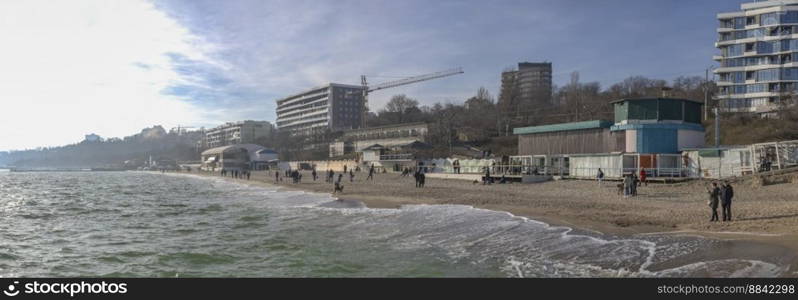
(728, 193)
(600, 176)
(313, 174)
(713, 201)
(371, 173)
(626, 185)
(276, 176)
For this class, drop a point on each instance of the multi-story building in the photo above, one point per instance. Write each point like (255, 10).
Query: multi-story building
(527, 87)
(757, 45)
(334, 106)
(242, 132)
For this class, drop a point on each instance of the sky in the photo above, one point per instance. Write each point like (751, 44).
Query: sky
(113, 67)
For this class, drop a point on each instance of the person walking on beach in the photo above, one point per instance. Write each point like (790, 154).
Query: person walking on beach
(421, 179)
(338, 186)
(313, 174)
(344, 168)
(643, 177)
(726, 201)
(714, 193)
(351, 175)
(371, 173)
(487, 179)
(416, 175)
(248, 174)
(277, 176)
(634, 184)
(600, 176)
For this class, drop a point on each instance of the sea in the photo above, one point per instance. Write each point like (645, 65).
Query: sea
(140, 224)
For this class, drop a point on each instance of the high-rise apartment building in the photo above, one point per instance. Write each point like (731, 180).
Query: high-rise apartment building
(758, 47)
(334, 106)
(527, 87)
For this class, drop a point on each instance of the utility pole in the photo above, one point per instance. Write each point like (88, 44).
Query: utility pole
(717, 126)
(706, 93)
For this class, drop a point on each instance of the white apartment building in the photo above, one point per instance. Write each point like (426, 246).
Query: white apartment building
(334, 106)
(242, 132)
(758, 51)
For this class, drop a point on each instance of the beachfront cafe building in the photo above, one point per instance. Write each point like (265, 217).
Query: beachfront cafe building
(238, 157)
(646, 133)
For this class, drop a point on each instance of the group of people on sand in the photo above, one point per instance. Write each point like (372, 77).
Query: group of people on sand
(629, 184)
(720, 194)
(236, 173)
(296, 176)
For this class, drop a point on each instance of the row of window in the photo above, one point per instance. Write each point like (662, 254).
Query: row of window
(761, 47)
(744, 103)
(758, 33)
(756, 61)
(761, 75)
(767, 19)
(757, 88)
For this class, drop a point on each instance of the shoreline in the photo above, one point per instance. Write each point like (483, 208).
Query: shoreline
(745, 242)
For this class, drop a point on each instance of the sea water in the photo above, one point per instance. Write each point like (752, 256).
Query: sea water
(135, 224)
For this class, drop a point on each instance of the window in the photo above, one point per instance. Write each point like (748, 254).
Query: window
(765, 47)
(755, 33)
(769, 19)
(756, 88)
(734, 50)
(738, 77)
(789, 74)
(767, 75)
(789, 17)
(739, 23)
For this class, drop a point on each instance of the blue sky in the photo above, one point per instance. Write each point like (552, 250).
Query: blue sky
(114, 67)
(277, 48)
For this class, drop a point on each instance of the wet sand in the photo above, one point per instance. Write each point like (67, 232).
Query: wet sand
(764, 223)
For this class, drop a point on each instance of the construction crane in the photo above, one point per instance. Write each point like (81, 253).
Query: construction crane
(400, 82)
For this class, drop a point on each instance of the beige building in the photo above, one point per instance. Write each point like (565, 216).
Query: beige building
(354, 141)
(242, 132)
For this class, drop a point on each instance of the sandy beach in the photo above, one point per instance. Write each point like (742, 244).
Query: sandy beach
(767, 214)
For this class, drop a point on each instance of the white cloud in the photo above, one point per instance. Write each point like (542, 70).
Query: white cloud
(69, 68)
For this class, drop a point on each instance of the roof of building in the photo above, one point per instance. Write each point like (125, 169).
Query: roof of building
(415, 145)
(248, 147)
(221, 149)
(374, 147)
(564, 127)
(657, 98)
(320, 88)
(266, 151)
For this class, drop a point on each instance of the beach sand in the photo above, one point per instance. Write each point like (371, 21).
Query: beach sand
(762, 216)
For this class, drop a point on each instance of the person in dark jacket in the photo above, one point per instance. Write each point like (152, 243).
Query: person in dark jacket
(726, 201)
(714, 194)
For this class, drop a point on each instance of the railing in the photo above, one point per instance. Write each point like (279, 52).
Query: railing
(620, 172)
(406, 156)
(513, 170)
